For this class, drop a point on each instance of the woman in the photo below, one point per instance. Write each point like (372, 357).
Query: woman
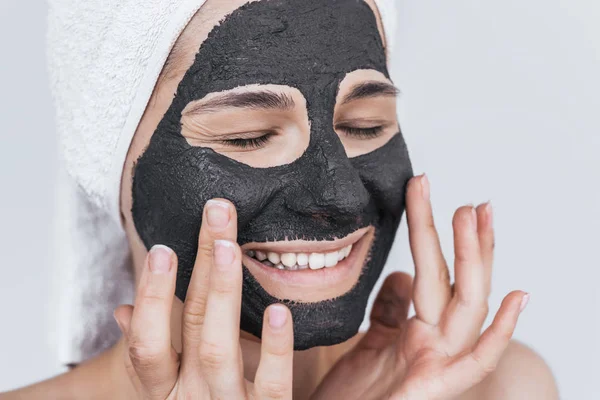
(264, 183)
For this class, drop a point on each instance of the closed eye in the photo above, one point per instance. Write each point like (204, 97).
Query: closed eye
(361, 133)
(249, 143)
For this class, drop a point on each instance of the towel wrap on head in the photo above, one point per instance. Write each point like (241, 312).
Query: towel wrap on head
(104, 58)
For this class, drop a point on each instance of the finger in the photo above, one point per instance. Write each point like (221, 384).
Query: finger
(389, 312)
(219, 221)
(149, 336)
(122, 315)
(473, 367)
(485, 232)
(274, 374)
(219, 342)
(432, 282)
(464, 316)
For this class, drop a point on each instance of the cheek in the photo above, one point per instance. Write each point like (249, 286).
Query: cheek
(170, 189)
(385, 173)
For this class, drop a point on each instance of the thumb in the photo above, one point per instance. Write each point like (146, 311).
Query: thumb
(390, 311)
(122, 315)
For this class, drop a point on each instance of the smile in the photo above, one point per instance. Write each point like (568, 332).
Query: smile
(309, 270)
(300, 261)
(300, 254)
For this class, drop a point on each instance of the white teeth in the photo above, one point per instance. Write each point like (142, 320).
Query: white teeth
(331, 259)
(347, 250)
(288, 259)
(299, 261)
(316, 261)
(302, 259)
(273, 257)
(260, 256)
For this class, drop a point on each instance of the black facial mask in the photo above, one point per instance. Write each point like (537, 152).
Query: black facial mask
(310, 45)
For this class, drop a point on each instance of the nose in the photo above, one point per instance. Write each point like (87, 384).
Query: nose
(328, 186)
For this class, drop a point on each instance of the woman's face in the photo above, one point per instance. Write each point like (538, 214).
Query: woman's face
(286, 110)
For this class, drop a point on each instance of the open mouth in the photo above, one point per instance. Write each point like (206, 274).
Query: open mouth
(299, 261)
(300, 255)
(309, 270)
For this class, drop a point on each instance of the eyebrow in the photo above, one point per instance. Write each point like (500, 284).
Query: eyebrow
(256, 100)
(370, 89)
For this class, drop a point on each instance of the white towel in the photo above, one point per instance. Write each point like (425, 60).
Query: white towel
(104, 59)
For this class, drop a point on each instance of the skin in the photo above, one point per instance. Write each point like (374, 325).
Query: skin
(170, 349)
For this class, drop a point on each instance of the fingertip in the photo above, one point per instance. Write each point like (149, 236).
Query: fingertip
(515, 296)
(463, 215)
(275, 371)
(222, 203)
(278, 330)
(524, 301)
(224, 254)
(161, 259)
(400, 281)
(418, 187)
(278, 316)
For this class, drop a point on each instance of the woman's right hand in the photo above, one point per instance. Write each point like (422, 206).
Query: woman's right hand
(210, 364)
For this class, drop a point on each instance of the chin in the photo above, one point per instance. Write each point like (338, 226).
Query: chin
(327, 302)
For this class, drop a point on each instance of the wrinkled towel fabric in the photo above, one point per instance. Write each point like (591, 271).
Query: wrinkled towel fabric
(104, 57)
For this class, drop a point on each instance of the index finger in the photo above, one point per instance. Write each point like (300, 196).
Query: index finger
(432, 279)
(219, 222)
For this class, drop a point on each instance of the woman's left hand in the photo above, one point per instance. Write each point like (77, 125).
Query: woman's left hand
(439, 353)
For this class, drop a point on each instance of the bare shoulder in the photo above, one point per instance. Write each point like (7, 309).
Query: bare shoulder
(521, 374)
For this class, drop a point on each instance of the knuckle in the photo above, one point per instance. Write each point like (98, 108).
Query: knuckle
(212, 356)
(224, 286)
(485, 367)
(205, 247)
(474, 303)
(193, 312)
(152, 291)
(280, 349)
(143, 354)
(273, 390)
(151, 298)
(444, 275)
(462, 254)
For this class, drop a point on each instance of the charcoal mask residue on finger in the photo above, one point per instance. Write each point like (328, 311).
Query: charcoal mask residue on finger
(310, 45)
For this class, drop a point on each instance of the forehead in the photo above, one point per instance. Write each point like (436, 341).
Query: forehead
(291, 42)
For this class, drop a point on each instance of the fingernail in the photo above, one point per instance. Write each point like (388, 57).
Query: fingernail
(489, 211)
(425, 187)
(277, 316)
(217, 214)
(160, 259)
(524, 302)
(223, 253)
(473, 218)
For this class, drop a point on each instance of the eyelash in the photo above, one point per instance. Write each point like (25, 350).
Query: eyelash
(258, 142)
(362, 133)
(250, 143)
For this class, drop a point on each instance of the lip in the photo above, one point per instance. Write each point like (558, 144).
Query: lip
(307, 246)
(312, 285)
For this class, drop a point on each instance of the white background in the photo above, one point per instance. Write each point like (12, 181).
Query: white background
(501, 101)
